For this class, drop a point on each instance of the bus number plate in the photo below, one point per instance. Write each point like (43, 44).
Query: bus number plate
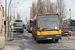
(49, 38)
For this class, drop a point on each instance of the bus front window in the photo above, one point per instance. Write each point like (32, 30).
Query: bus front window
(18, 25)
(48, 22)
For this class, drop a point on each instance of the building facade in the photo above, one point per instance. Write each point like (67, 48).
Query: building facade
(1, 17)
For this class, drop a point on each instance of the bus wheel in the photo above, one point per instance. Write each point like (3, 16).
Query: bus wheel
(55, 40)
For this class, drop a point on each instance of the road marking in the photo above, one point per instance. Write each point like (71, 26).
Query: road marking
(26, 49)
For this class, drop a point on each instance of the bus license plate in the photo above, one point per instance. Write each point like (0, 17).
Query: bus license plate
(49, 38)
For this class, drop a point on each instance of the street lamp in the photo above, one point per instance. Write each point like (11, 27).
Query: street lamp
(70, 13)
(70, 16)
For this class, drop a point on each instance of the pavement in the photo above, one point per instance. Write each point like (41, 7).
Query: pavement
(11, 48)
(11, 45)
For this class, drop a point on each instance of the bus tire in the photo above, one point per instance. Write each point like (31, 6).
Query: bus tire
(56, 40)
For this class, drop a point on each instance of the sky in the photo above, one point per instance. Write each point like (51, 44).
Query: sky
(23, 7)
(70, 4)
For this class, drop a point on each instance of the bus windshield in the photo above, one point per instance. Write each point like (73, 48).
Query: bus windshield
(18, 24)
(48, 22)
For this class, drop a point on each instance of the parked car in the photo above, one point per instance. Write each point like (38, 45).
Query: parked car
(66, 30)
(73, 28)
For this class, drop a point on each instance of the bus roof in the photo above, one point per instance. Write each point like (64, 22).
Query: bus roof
(47, 14)
(44, 14)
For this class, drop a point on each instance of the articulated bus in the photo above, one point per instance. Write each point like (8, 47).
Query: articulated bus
(29, 26)
(46, 27)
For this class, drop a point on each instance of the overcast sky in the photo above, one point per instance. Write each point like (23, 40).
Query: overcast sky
(23, 7)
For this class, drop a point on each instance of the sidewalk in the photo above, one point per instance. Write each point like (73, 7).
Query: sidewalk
(10, 45)
(11, 48)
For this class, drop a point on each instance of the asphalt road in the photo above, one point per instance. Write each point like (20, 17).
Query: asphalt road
(28, 43)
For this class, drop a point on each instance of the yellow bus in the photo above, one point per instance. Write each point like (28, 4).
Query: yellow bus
(29, 26)
(46, 27)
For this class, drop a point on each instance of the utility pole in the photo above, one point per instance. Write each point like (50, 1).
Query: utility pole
(8, 16)
(5, 15)
(70, 13)
(70, 16)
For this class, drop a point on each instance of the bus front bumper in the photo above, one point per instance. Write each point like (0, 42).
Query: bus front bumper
(48, 37)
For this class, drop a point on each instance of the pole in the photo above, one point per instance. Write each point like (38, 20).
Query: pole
(70, 16)
(70, 13)
(5, 15)
(8, 16)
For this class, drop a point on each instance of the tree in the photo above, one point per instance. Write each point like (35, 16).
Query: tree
(33, 9)
(61, 8)
(40, 6)
(46, 6)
